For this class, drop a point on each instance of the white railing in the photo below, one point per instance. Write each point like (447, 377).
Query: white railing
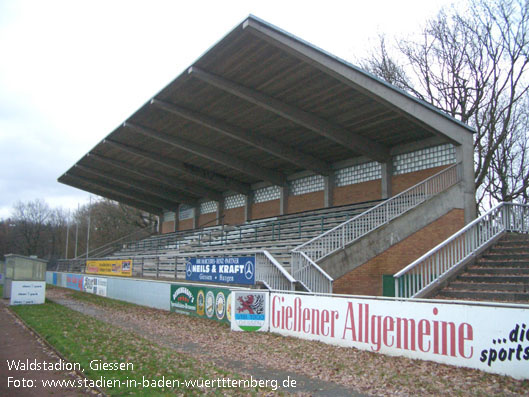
(429, 270)
(346, 233)
(310, 274)
(271, 272)
(267, 269)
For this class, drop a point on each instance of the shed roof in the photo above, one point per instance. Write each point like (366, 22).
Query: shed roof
(260, 105)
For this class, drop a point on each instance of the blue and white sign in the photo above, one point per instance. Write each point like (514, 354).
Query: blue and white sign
(228, 270)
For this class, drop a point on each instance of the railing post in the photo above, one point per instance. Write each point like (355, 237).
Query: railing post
(175, 267)
(157, 267)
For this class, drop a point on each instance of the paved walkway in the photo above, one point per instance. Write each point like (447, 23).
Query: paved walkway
(17, 342)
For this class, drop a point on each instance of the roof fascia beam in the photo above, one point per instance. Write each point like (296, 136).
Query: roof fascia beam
(409, 107)
(172, 182)
(112, 196)
(222, 158)
(334, 132)
(147, 188)
(219, 181)
(278, 149)
(132, 193)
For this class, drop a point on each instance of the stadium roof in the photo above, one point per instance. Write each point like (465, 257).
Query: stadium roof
(258, 106)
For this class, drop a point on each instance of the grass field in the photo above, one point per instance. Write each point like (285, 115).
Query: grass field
(82, 339)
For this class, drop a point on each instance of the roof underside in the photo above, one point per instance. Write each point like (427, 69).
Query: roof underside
(258, 106)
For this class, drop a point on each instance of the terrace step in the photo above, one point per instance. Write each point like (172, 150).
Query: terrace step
(501, 274)
(487, 296)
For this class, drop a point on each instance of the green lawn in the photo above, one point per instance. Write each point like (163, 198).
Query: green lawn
(82, 339)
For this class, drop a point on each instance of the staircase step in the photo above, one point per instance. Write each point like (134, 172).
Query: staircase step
(511, 287)
(480, 295)
(494, 279)
(509, 250)
(498, 270)
(506, 256)
(487, 263)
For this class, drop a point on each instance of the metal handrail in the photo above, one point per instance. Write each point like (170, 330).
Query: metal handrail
(267, 268)
(353, 229)
(441, 261)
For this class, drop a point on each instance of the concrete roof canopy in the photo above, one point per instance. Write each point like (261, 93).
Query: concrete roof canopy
(258, 106)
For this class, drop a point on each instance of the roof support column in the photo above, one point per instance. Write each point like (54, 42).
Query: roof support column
(387, 173)
(283, 200)
(328, 190)
(248, 207)
(465, 156)
(220, 213)
(196, 214)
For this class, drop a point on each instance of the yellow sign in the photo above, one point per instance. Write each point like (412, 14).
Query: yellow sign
(117, 267)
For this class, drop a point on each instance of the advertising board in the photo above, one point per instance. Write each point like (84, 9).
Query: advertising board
(250, 311)
(28, 292)
(227, 270)
(456, 334)
(201, 301)
(114, 267)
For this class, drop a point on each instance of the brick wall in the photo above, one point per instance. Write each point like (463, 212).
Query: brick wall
(357, 193)
(167, 227)
(305, 202)
(185, 224)
(265, 210)
(367, 278)
(360, 192)
(234, 216)
(405, 181)
(207, 219)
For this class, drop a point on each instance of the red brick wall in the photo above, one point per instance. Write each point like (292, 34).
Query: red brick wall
(367, 278)
(167, 227)
(207, 219)
(305, 202)
(266, 209)
(404, 181)
(357, 193)
(185, 224)
(234, 216)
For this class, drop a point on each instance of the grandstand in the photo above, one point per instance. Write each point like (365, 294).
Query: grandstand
(269, 146)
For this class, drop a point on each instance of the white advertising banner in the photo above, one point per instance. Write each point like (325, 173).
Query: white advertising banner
(492, 339)
(28, 292)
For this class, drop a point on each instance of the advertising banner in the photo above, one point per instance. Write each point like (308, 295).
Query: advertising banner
(115, 267)
(74, 281)
(228, 270)
(201, 301)
(95, 285)
(461, 335)
(250, 311)
(28, 292)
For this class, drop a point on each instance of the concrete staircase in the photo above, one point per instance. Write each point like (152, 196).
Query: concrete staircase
(500, 274)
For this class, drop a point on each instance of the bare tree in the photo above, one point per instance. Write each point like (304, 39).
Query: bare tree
(473, 64)
(30, 220)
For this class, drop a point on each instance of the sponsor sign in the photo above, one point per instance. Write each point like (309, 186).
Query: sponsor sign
(74, 281)
(250, 311)
(461, 335)
(28, 292)
(95, 285)
(228, 270)
(115, 267)
(212, 303)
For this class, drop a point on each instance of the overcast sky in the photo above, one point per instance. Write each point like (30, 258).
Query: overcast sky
(71, 71)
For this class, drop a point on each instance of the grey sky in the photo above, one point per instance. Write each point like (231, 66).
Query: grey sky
(71, 71)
